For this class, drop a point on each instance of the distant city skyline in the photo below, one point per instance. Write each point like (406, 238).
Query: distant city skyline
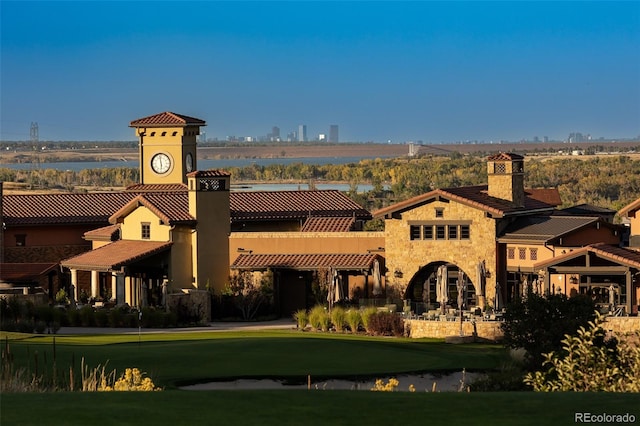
(383, 71)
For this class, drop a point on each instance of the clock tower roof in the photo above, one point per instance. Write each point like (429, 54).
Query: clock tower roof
(167, 118)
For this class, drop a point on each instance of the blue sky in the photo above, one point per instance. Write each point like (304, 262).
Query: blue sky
(400, 71)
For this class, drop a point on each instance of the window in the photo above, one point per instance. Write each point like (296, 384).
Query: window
(414, 232)
(440, 232)
(465, 233)
(145, 230)
(511, 253)
(522, 253)
(439, 212)
(21, 240)
(427, 232)
(453, 232)
(533, 254)
(500, 168)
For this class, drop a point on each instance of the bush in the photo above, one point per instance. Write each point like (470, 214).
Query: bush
(101, 318)
(319, 318)
(87, 316)
(589, 362)
(386, 324)
(354, 319)
(538, 324)
(339, 318)
(302, 318)
(366, 318)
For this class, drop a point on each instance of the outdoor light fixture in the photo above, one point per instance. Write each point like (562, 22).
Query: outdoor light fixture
(398, 273)
(241, 250)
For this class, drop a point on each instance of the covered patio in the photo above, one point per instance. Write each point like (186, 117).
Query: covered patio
(607, 273)
(350, 276)
(125, 271)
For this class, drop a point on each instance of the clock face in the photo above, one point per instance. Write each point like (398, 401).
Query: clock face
(188, 163)
(161, 163)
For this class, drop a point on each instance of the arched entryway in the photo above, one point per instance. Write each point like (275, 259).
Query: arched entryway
(422, 291)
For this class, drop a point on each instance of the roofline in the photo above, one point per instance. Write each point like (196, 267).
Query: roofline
(595, 248)
(633, 206)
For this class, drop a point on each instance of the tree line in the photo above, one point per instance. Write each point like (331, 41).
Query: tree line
(610, 181)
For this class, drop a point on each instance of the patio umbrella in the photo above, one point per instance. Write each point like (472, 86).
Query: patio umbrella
(497, 302)
(612, 296)
(482, 283)
(337, 283)
(442, 287)
(377, 278)
(460, 287)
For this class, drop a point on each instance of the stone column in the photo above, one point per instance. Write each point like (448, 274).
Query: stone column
(74, 286)
(95, 284)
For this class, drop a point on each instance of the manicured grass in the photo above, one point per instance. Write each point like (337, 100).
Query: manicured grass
(173, 359)
(308, 408)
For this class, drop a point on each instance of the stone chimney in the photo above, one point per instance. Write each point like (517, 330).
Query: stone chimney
(506, 177)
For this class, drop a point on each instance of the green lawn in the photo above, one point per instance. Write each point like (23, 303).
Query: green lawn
(308, 408)
(179, 358)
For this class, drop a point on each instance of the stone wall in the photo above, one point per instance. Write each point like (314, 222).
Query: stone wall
(623, 325)
(489, 330)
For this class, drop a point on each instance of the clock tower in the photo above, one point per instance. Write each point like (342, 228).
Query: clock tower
(167, 147)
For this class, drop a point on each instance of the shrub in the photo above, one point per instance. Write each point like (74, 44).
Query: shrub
(116, 317)
(302, 318)
(101, 318)
(87, 316)
(366, 317)
(319, 318)
(589, 362)
(538, 324)
(386, 324)
(339, 318)
(354, 319)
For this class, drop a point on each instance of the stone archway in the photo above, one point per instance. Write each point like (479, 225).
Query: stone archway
(421, 290)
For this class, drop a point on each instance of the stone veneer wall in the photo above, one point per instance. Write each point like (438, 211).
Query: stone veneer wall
(491, 329)
(409, 256)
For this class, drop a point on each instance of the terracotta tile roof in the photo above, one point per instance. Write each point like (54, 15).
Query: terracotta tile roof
(24, 272)
(328, 224)
(156, 187)
(607, 251)
(506, 156)
(275, 205)
(171, 207)
(305, 261)
(115, 255)
(171, 203)
(167, 119)
(473, 196)
(545, 228)
(209, 173)
(630, 209)
(63, 209)
(106, 233)
(549, 196)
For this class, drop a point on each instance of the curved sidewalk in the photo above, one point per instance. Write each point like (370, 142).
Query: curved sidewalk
(280, 324)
